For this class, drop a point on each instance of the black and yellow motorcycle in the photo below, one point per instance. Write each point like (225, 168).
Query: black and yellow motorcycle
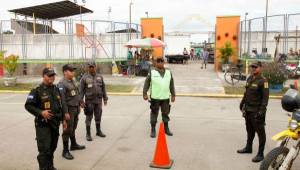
(283, 156)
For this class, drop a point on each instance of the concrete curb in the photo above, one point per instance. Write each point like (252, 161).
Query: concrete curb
(140, 94)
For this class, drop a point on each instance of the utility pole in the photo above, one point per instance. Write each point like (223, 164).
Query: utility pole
(266, 30)
(108, 13)
(129, 29)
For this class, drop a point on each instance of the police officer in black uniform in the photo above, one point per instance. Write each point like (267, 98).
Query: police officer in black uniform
(44, 102)
(71, 102)
(254, 107)
(92, 88)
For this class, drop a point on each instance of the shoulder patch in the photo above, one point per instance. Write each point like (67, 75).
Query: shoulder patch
(266, 85)
(30, 97)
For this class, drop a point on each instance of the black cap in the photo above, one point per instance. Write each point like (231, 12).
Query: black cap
(48, 72)
(92, 63)
(68, 67)
(256, 64)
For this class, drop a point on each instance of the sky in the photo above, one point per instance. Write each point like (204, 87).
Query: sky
(178, 15)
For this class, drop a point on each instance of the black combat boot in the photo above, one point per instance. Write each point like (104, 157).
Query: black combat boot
(74, 144)
(99, 132)
(167, 130)
(66, 154)
(51, 166)
(43, 163)
(260, 155)
(247, 149)
(153, 131)
(88, 133)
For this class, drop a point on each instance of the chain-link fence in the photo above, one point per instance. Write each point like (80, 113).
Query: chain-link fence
(258, 36)
(61, 39)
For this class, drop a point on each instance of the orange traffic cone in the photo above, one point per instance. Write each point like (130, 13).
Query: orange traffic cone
(161, 157)
(296, 84)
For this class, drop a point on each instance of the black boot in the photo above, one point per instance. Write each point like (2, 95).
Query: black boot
(167, 130)
(153, 131)
(260, 155)
(99, 132)
(51, 165)
(247, 149)
(74, 144)
(66, 154)
(88, 133)
(258, 158)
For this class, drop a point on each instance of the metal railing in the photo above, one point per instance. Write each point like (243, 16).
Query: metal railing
(256, 41)
(57, 39)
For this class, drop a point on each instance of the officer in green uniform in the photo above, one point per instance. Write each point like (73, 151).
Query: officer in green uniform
(254, 107)
(44, 102)
(161, 84)
(71, 102)
(92, 88)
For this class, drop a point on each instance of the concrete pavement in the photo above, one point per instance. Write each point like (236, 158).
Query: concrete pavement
(207, 133)
(190, 78)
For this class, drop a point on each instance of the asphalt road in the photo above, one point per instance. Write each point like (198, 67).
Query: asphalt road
(207, 133)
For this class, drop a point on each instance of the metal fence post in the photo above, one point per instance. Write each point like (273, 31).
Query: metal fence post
(93, 23)
(69, 38)
(113, 40)
(249, 37)
(241, 39)
(1, 36)
(23, 37)
(286, 32)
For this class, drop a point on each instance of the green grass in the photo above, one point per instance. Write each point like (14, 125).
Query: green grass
(18, 87)
(241, 90)
(29, 86)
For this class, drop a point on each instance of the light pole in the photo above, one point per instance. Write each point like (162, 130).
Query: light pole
(108, 13)
(129, 29)
(147, 14)
(80, 6)
(266, 29)
(245, 37)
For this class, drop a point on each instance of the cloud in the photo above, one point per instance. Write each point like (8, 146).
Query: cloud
(174, 12)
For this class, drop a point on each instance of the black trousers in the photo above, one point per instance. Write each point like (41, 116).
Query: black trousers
(165, 107)
(72, 123)
(91, 110)
(253, 124)
(47, 138)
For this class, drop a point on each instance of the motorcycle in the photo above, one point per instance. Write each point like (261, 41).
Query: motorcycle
(283, 156)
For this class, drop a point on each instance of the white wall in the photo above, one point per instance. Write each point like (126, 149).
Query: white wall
(59, 47)
(176, 43)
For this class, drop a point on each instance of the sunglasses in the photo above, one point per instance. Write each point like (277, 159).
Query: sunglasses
(255, 67)
(160, 61)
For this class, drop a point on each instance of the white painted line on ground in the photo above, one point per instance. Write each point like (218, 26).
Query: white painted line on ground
(9, 96)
